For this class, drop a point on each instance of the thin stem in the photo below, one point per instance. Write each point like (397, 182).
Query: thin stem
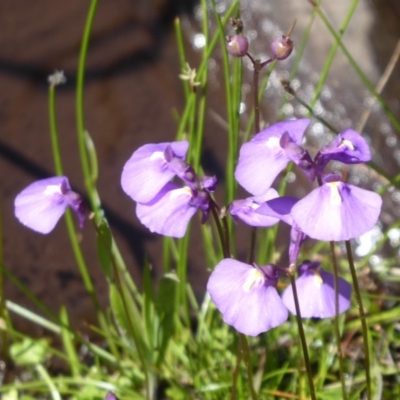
(256, 74)
(3, 312)
(246, 352)
(94, 200)
(128, 314)
(222, 237)
(235, 374)
(253, 240)
(336, 320)
(363, 319)
(302, 338)
(55, 145)
(68, 218)
(227, 236)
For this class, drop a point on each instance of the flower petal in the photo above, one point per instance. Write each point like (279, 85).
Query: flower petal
(147, 171)
(246, 210)
(262, 158)
(41, 204)
(280, 207)
(349, 147)
(337, 211)
(169, 212)
(245, 297)
(316, 294)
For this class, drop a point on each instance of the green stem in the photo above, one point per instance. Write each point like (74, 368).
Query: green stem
(302, 338)
(332, 53)
(89, 176)
(336, 320)
(133, 333)
(68, 218)
(55, 145)
(246, 353)
(235, 374)
(181, 52)
(367, 83)
(363, 318)
(95, 203)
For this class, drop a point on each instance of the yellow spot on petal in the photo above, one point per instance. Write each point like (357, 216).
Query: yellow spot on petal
(52, 189)
(317, 277)
(336, 198)
(254, 277)
(181, 192)
(347, 143)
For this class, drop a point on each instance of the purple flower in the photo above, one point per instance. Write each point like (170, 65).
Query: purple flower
(263, 158)
(151, 167)
(349, 147)
(246, 296)
(164, 206)
(110, 396)
(246, 210)
(170, 211)
(41, 204)
(316, 293)
(337, 211)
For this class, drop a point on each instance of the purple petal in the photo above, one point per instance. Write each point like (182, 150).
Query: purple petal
(247, 299)
(41, 204)
(297, 238)
(246, 210)
(298, 155)
(110, 396)
(349, 147)
(148, 170)
(262, 158)
(316, 293)
(337, 211)
(280, 207)
(169, 212)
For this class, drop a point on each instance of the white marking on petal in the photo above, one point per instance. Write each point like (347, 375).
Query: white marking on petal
(51, 190)
(347, 143)
(336, 198)
(254, 205)
(273, 142)
(157, 155)
(180, 192)
(254, 277)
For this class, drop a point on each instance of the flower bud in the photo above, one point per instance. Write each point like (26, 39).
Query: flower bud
(281, 48)
(237, 45)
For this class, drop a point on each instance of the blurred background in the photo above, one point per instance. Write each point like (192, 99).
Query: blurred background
(132, 90)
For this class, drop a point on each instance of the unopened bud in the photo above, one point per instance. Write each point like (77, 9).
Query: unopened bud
(281, 48)
(237, 45)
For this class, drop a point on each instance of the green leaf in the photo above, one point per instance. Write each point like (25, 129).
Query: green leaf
(166, 293)
(29, 351)
(165, 307)
(104, 242)
(69, 344)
